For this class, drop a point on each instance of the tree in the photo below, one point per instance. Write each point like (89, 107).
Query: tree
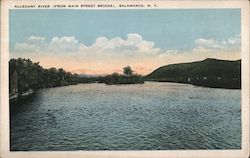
(33, 76)
(127, 71)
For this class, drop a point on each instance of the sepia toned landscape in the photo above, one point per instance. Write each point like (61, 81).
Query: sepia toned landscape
(100, 82)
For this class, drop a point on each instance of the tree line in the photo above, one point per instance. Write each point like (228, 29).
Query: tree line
(32, 75)
(128, 77)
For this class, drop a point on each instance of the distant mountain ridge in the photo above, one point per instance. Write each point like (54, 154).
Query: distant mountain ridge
(209, 73)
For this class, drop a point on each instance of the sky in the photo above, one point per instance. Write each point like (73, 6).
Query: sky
(105, 41)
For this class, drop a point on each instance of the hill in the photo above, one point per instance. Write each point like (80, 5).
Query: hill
(209, 73)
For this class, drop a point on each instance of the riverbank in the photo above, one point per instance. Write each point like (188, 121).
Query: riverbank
(122, 79)
(17, 98)
(201, 84)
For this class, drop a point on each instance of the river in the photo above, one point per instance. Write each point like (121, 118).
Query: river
(150, 116)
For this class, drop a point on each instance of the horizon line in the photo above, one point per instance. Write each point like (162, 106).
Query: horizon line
(119, 72)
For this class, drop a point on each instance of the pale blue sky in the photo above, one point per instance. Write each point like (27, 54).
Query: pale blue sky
(104, 41)
(168, 29)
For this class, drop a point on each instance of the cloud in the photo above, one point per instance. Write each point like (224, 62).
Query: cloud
(32, 44)
(234, 42)
(134, 43)
(208, 43)
(106, 55)
(35, 39)
(203, 44)
(65, 44)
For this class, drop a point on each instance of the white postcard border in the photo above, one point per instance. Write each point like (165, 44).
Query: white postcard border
(5, 138)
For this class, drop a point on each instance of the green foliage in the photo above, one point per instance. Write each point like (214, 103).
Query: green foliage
(122, 79)
(32, 75)
(127, 78)
(88, 79)
(209, 73)
(127, 71)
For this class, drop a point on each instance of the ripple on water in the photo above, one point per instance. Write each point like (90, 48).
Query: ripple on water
(152, 116)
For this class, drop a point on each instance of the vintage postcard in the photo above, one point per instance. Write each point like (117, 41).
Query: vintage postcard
(124, 79)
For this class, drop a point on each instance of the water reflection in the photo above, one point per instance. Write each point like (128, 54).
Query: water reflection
(152, 116)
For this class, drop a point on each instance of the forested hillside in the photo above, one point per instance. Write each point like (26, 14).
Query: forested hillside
(209, 73)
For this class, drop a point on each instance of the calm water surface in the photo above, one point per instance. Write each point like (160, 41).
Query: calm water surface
(151, 116)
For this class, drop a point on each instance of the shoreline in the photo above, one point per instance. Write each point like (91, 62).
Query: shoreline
(17, 98)
(215, 87)
(30, 92)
